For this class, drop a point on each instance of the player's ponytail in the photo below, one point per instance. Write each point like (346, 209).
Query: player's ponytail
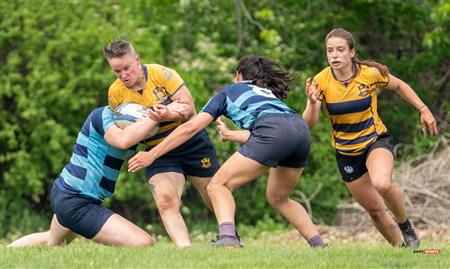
(347, 36)
(265, 73)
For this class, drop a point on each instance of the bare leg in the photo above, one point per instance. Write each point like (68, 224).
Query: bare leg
(57, 235)
(366, 195)
(200, 184)
(167, 189)
(380, 164)
(119, 231)
(281, 184)
(235, 172)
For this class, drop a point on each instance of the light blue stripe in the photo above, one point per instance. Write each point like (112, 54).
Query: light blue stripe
(82, 139)
(107, 118)
(79, 160)
(111, 173)
(241, 99)
(279, 104)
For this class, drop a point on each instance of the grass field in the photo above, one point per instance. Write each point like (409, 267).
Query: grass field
(256, 254)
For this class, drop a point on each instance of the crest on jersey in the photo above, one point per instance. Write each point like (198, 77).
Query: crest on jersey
(160, 94)
(206, 162)
(348, 169)
(364, 90)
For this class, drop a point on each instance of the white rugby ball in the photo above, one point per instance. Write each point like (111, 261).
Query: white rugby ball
(128, 113)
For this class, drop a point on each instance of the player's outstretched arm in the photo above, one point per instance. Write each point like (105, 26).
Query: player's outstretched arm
(409, 95)
(130, 135)
(239, 136)
(180, 135)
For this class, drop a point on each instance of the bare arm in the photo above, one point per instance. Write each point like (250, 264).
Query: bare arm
(130, 135)
(240, 136)
(407, 93)
(312, 110)
(180, 135)
(183, 112)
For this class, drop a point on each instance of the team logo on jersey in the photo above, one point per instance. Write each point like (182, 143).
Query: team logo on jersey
(348, 169)
(206, 162)
(364, 90)
(160, 94)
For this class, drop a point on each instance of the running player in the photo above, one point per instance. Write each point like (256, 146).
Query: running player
(347, 91)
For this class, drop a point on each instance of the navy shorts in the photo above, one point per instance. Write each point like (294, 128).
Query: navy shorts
(80, 214)
(353, 167)
(197, 157)
(279, 140)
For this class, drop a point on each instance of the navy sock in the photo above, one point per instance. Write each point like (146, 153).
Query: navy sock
(316, 241)
(227, 228)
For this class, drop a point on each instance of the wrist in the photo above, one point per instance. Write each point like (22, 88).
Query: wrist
(422, 107)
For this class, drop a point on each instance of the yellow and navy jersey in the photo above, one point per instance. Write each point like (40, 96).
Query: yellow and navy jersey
(161, 84)
(352, 108)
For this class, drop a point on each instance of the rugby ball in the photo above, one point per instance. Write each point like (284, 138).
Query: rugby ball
(128, 113)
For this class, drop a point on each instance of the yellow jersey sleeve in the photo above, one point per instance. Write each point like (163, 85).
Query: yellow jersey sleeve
(376, 78)
(166, 78)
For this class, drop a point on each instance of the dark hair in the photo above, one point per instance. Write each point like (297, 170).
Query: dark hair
(265, 73)
(118, 48)
(347, 36)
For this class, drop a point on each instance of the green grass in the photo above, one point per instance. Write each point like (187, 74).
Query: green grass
(256, 254)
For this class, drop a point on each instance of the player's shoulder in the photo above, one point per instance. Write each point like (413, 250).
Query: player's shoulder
(117, 86)
(323, 74)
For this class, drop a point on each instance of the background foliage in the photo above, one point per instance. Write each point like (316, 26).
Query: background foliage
(52, 74)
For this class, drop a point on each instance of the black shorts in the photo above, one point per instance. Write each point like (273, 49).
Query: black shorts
(279, 140)
(197, 157)
(353, 167)
(82, 215)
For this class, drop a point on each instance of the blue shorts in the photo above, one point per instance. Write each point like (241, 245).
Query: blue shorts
(197, 157)
(80, 214)
(279, 140)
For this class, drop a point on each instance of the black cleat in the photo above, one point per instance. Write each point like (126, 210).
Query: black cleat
(409, 235)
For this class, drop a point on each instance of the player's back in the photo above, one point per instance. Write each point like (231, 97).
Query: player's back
(94, 166)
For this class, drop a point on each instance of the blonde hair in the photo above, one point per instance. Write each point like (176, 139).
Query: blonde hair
(348, 37)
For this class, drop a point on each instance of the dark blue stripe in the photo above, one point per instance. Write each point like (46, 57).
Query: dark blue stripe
(80, 150)
(165, 123)
(349, 107)
(76, 171)
(64, 187)
(355, 141)
(97, 120)
(353, 127)
(85, 128)
(108, 184)
(113, 162)
(145, 71)
(160, 135)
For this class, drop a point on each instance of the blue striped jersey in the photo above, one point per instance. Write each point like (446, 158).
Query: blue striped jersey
(243, 102)
(94, 166)
(352, 108)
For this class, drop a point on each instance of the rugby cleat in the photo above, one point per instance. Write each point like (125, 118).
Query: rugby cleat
(226, 241)
(409, 235)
